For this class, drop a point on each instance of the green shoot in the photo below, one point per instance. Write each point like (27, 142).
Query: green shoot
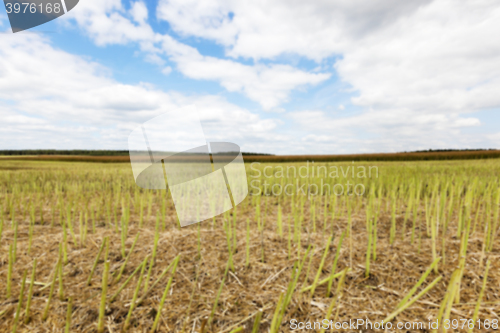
(68, 315)
(96, 261)
(51, 292)
(136, 292)
(30, 293)
(19, 304)
(102, 307)
(118, 277)
(320, 268)
(165, 293)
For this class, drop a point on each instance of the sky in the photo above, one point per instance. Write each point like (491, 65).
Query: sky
(280, 77)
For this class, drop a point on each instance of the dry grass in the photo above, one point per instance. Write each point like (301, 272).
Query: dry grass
(248, 289)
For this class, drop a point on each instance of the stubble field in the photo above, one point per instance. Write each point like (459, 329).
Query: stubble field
(83, 249)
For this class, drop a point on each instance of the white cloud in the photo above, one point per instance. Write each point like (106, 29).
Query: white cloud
(107, 22)
(263, 29)
(209, 19)
(440, 59)
(424, 55)
(419, 69)
(166, 70)
(59, 100)
(421, 64)
(383, 131)
(139, 12)
(268, 85)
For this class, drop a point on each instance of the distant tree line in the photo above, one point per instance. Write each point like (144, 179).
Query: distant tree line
(449, 150)
(79, 152)
(123, 156)
(412, 156)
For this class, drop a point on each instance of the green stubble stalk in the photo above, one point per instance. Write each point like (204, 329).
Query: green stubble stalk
(19, 304)
(247, 263)
(334, 266)
(96, 261)
(30, 293)
(51, 291)
(165, 293)
(133, 303)
(216, 302)
(68, 315)
(153, 258)
(320, 268)
(120, 272)
(102, 307)
(9, 273)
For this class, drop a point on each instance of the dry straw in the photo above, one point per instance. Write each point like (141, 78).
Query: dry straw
(266, 245)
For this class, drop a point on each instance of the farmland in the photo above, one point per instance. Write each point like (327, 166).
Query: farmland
(83, 249)
(110, 156)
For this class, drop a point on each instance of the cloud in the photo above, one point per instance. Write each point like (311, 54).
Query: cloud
(417, 68)
(166, 70)
(111, 23)
(439, 60)
(262, 29)
(420, 71)
(139, 12)
(60, 100)
(430, 56)
(403, 130)
(269, 85)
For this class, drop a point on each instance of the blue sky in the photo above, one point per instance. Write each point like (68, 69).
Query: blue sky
(287, 77)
